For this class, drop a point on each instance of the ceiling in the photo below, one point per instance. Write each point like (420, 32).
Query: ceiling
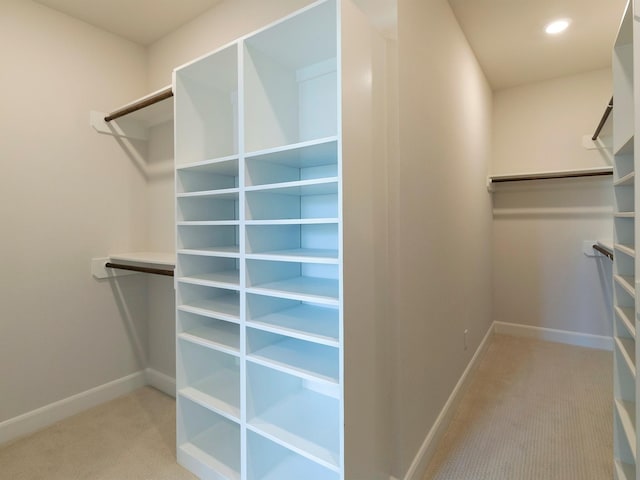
(508, 37)
(142, 21)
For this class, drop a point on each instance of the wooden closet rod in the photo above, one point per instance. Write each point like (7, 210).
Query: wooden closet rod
(545, 176)
(603, 120)
(603, 251)
(156, 271)
(140, 104)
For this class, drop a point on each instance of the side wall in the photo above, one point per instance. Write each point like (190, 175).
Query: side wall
(441, 218)
(541, 276)
(68, 194)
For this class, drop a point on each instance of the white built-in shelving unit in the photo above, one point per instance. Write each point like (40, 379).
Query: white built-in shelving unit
(626, 266)
(260, 251)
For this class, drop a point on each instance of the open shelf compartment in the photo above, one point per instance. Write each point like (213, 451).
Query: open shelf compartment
(208, 443)
(206, 176)
(317, 243)
(210, 332)
(217, 240)
(220, 303)
(209, 270)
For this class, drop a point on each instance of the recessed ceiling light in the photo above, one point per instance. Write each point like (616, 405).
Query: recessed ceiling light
(557, 26)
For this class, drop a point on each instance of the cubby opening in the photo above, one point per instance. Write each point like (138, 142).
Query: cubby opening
(304, 202)
(624, 198)
(214, 240)
(291, 87)
(210, 207)
(214, 175)
(209, 301)
(211, 332)
(305, 162)
(297, 357)
(268, 460)
(318, 242)
(211, 439)
(208, 110)
(624, 230)
(294, 412)
(210, 377)
(213, 271)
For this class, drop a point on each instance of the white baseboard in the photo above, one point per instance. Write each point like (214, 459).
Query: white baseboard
(161, 381)
(552, 335)
(427, 449)
(43, 417)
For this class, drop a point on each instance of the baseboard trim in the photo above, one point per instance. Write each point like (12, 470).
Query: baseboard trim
(161, 381)
(427, 449)
(49, 414)
(552, 335)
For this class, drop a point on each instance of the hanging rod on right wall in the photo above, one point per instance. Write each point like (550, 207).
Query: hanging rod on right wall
(603, 120)
(147, 101)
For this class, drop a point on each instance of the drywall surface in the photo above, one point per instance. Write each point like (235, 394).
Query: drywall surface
(441, 220)
(68, 194)
(541, 276)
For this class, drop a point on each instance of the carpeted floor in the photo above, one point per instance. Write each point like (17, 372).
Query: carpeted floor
(533, 411)
(130, 438)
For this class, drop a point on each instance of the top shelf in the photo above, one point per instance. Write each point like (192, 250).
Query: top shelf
(145, 259)
(519, 177)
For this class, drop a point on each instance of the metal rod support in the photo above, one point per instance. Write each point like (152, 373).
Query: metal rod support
(156, 271)
(603, 251)
(139, 105)
(603, 120)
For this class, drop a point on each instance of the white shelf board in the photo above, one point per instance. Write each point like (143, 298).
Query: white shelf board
(301, 359)
(306, 255)
(625, 249)
(311, 153)
(208, 223)
(229, 252)
(627, 415)
(627, 180)
(317, 186)
(627, 348)
(223, 307)
(306, 322)
(299, 423)
(222, 439)
(294, 466)
(227, 166)
(548, 174)
(294, 221)
(145, 258)
(219, 393)
(306, 289)
(606, 244)
(626, 316)
(627, 147)
(221, 336)
(625, 214)
(627, 283)
(223, 193)
(225, 279)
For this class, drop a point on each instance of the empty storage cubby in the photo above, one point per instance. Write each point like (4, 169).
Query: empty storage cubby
(305, 162)
(624, 198)
(315, 242)
(624, 232)
(290, 81)
(269, 461)
(208, 110)
(209, 206)
(211, 332)
(316, 201)
(208, 443)
(296, 413)
(209, 377)
(299, 281)
(307, 321)
(294, 356)
(212, 271)
(209, 301)
(208, 176)
(207, 239)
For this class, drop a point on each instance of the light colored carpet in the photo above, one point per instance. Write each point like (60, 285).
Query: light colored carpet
(533, 411)
(130, 438)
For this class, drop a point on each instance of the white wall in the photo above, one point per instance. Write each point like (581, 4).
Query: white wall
(68, 194)
(441, 220)
(541, 276)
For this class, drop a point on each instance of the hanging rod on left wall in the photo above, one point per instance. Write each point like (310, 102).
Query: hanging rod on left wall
(134, 268)
(603, 120)
(140, 104)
